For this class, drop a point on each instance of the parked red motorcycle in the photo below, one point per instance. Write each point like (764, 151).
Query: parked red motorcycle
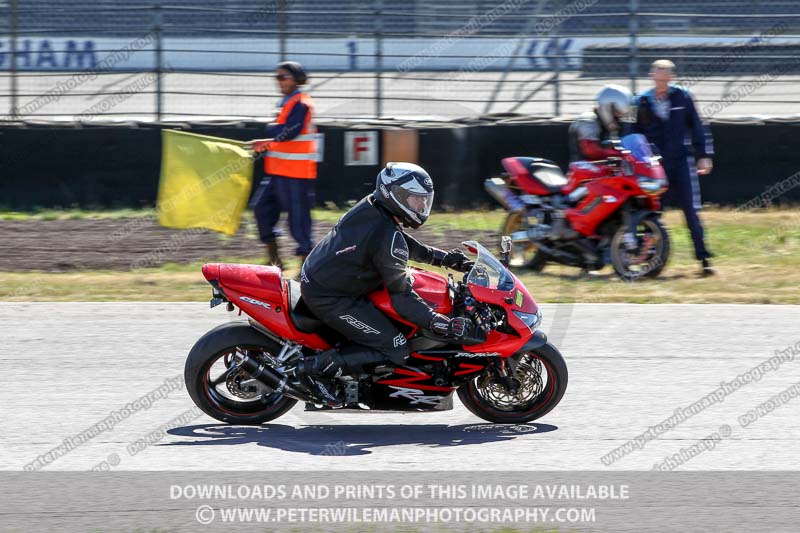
(505, 371)
(601, 212)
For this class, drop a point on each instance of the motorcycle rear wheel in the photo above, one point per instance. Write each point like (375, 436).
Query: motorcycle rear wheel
(527, 256)
(543, 377)
(217, 387)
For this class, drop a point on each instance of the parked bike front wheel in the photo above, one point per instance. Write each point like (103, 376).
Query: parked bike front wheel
(643, 253)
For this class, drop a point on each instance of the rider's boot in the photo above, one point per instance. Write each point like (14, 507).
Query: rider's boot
(317, 373)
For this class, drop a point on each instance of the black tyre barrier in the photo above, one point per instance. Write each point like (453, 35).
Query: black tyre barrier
(118, 166)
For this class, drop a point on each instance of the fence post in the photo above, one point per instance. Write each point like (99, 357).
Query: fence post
(633, 58)
(557, 77)
(12, 30)
(282, 28)
(158, 20)
(378, 58)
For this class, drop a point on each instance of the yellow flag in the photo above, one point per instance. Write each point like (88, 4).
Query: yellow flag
(205, 182)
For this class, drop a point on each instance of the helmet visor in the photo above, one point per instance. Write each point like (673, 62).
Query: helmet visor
(416, 204)
(420, 204)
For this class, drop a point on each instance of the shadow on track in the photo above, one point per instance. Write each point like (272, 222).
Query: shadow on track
(351, 439)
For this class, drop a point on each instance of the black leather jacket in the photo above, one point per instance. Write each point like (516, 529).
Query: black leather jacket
(365, 250)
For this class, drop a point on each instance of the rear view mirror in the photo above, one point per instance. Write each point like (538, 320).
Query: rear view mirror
(505, 249)
(505, 244)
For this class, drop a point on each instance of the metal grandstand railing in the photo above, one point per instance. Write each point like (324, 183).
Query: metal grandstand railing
(75, 60)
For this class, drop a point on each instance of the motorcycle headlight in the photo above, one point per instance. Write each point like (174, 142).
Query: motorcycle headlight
(530, 319)
(650, 185)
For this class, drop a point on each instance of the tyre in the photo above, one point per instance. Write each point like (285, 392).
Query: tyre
(542, 376)
(651, 252)
(526, 255)
(222, 391)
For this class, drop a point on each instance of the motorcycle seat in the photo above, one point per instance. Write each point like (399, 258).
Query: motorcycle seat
(548, 174)
(302, 317)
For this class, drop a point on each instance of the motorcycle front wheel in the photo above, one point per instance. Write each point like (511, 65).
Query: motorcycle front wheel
(644, 258)
(541, 375)
(525, 255)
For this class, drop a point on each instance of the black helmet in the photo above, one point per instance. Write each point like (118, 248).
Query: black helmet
(406, 191)
(296, 70)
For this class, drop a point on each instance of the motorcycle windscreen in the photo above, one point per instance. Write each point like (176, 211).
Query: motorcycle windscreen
(637, 145)
(488, 271)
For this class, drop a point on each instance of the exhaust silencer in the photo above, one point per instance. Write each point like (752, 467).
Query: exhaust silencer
(270, 377)
(498, 189)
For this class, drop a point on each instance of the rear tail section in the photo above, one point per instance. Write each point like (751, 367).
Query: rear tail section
(255, 281)
(245, 284)
(262, 293)
(211, 271)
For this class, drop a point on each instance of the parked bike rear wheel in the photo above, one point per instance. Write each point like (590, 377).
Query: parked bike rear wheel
(523, 255)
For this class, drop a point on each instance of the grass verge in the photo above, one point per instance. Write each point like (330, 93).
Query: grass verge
(758, 261)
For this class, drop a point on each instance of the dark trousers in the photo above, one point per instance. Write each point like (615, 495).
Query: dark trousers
(376, 338)
(684, 192)
(292, 195)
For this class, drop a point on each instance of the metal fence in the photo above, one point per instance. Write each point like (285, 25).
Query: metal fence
(75, 60)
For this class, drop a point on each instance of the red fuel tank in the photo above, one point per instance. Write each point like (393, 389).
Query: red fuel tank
(431, 287)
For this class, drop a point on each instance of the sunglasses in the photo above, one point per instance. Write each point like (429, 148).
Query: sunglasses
(280, 77)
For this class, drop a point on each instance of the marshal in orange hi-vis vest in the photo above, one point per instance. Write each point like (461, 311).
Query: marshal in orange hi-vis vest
(295, 158)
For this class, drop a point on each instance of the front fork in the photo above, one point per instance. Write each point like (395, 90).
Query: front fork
(629, 239)
(631, 221)
(501, 370)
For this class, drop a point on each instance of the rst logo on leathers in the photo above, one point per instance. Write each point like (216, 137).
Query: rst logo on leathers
(356, 323)
(399, 247)
(399, 340)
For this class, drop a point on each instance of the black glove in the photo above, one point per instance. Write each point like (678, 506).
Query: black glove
(457, 260)
(454, 259)
(454, 328)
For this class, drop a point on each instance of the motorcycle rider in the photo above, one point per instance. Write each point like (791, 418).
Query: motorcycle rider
(365, 250)
(603, 123)
(587, 136)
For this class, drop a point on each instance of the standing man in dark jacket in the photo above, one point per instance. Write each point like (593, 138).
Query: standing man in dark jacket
(367, 249)
(667, 115)
(290, 166)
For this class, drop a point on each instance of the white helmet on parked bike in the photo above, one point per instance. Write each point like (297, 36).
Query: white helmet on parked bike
(406, 191)
(613, 103)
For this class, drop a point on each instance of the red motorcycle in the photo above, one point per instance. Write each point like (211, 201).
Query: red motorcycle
(505, 371)
(601, 212)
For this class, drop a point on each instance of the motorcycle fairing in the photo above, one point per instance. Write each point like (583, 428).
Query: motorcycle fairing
(262, 293)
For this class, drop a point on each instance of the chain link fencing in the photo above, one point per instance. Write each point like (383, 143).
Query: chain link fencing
(168, 60)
